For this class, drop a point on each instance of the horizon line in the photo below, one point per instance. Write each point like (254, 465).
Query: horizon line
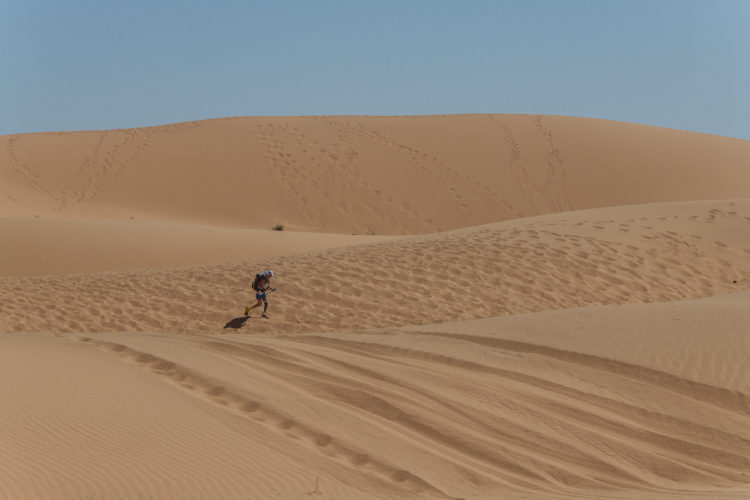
(410, 115)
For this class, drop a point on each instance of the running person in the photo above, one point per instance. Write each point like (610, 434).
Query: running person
(261, 284)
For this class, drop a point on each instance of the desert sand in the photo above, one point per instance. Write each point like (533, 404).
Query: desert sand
(467, 306)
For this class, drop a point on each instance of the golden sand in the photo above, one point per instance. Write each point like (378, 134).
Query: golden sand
(479, 306)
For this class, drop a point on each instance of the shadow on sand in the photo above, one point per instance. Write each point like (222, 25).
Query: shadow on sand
(236, 323)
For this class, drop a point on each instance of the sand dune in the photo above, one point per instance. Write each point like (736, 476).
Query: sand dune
(69, 246)
(383, 175)
(576, 329)
(574, 403)
(595, 257)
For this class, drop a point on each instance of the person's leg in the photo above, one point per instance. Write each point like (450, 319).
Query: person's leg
(265, 307)
(249, 310)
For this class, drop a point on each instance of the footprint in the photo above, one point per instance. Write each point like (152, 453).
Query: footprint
(251, 406)
(216, 390)
(401, 475)
(286, 424)
(323, 440)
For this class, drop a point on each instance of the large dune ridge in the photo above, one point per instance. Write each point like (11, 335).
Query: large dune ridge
(383, 175)
(467, 306)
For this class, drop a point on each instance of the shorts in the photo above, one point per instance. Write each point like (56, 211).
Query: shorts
(261, 296)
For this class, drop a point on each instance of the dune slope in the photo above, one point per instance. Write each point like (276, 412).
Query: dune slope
(383, 175)
(44, 246)
(631, 254)
(545, 405)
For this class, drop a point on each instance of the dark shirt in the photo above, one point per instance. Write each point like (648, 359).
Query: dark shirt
(262, 283)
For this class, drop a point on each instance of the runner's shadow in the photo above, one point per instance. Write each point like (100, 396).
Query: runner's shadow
(236, 323)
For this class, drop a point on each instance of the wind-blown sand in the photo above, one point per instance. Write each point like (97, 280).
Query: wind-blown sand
(576, 328)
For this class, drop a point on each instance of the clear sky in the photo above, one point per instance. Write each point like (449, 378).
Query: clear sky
(100, 64)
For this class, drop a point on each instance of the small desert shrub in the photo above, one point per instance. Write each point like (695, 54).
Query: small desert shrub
(278, 227)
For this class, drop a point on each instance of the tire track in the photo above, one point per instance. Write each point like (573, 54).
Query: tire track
(387, 408)
(243, 404)
(731, 401)
(690, 445)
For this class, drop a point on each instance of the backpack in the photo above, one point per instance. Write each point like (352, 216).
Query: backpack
(257, 280)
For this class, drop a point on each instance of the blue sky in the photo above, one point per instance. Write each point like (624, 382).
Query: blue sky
(78, 65)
